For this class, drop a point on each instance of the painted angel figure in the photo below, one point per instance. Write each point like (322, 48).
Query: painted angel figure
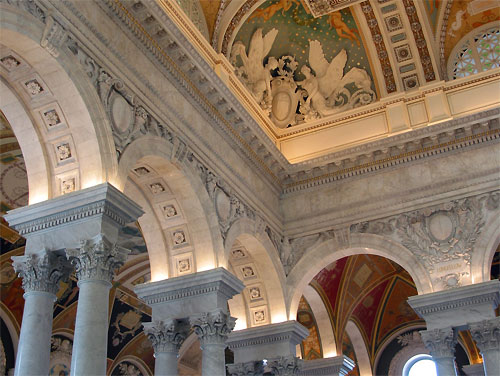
(256, 74)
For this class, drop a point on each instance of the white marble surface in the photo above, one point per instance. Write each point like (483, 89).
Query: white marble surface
(33, 354)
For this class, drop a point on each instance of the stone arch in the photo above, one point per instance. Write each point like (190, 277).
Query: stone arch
(315, 259)
(484, 250)
(327, 336)
(188, 192)
(247, 233)
(358, 342)
(12, 326)
(67, 92)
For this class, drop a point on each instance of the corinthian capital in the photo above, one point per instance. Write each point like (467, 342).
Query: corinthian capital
(486, 333)
(246, 369)
(166, 336)
(42, 271)
(97, 259)
(440, 342)
(213, 327)
(285, 365)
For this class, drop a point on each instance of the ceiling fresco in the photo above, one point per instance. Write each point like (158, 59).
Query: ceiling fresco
(465, 16)
(432, 8)
(302, 68)
(372, 292)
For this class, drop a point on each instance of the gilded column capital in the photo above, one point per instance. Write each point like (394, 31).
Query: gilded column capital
(42, 271)
(440, 342)
(486, 333)
(166, 336)
(246, 369)
(285, 365)
(97, 259)
(212, 328)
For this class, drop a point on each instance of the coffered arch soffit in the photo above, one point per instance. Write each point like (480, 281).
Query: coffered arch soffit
(179, 215)
(65, 114)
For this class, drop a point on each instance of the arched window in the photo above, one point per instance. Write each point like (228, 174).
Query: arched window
(478, 51)
(421, 364)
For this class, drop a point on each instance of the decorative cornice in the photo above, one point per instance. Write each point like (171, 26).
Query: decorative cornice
(486, 293)
(100, 201)
(401, 149)
(217, 280)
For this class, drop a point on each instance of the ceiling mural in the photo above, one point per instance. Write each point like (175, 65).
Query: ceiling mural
(301, 68)
(372, 292)
(465, 16)
(311, 346)
(432, 8)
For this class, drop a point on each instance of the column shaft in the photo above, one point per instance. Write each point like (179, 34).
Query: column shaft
(213, 361)
(165, 363)
(91, 329)
(33, 354)
(445, 366)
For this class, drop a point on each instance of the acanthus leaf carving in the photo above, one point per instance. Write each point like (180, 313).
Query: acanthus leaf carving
(97, 259)
(42, 271)
(212, 328)
(440, 342)
(246, 369)
(166, 336)
(285, 365)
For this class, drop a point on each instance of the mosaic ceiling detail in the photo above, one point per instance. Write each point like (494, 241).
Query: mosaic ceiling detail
(301, 68)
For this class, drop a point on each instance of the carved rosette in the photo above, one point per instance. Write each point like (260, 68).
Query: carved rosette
(486, 333)
(212, 328)
(440, 342)
(285, 365)
(165, 336)
(42, 271)
(97, 259)
(246, 369)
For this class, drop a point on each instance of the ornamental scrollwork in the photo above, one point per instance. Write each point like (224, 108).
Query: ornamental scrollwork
(42, 271)
(212, 328)
(97, 259)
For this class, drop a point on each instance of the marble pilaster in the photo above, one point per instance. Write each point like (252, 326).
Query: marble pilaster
(41, 274)
(166, 338)
(441, 344)
(486, 333)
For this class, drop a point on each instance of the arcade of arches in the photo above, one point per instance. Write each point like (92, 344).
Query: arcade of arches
(249, 187)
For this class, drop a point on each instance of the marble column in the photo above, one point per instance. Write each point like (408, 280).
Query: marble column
(212, 329)
(166, 338)
(486, 333)
(285, 365)
(441, 344)
(95, 263)
(334, 366)
(41, 274)
(253, 368)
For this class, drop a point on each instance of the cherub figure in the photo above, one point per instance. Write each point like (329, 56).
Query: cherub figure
(336, 22)
(268, 12)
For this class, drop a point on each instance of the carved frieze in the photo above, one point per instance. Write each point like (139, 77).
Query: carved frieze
(442, 237)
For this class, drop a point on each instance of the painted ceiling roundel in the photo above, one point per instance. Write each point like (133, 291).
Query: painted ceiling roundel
(301, 68)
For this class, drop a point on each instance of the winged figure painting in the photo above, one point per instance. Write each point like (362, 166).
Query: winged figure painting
(256, 76)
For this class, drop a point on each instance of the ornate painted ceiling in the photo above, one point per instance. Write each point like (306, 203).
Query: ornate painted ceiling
(320, 78)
